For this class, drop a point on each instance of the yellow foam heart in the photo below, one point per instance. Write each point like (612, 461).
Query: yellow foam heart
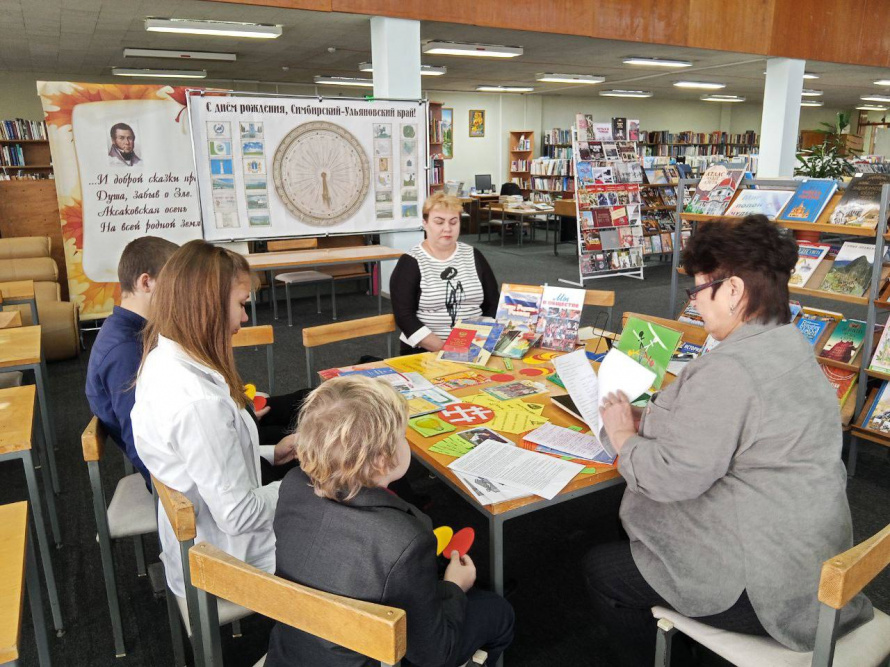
(443, 537)
(250, 390)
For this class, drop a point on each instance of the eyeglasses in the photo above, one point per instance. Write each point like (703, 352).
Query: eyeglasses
(691, 292)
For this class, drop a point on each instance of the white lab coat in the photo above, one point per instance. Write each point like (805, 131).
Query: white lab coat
(193, 437)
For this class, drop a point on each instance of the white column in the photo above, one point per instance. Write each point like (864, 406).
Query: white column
(395, 53)
(781, 117)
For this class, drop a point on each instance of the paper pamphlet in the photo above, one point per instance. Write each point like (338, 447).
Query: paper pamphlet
(580, 381)
(565, 441)
(487, 492)
(618, 372)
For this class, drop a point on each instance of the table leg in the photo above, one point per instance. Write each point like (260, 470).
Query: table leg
(34, 317)
(253, 306)
(32, 582)
(496, 553)
(271, 278)
(49, 431)
(556, 233)
(379, 289)
(47, 489)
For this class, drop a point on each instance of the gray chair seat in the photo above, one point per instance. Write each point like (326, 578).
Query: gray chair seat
(132, 509)
(300, 277)
(229, 612)
(304, 278)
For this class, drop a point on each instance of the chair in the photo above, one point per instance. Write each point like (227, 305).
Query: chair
(843, 577)
(181, 514)
(373, 630)
(302, 277)
(511, 188)
(131, 513)
(332, 333)
(260, 335)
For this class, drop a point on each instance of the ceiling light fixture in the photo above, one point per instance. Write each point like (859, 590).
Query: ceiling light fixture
(810, 75)
(703, 85)
(811, 103)
(882, 82)
(425, 70)
(550, 77)
(722, 98)
(504, 89)
(869, 107)
(875, 98)
(213, 28)
(626, 93)
(179, 55)
(656, 62)
(476, 50)
(808, 92)
(160, 73)
(343, 81)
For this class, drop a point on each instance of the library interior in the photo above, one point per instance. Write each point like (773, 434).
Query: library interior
(444, 334)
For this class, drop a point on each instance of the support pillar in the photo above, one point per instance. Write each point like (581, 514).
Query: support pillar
(781, 117)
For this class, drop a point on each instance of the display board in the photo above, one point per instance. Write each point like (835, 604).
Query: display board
(286, 166)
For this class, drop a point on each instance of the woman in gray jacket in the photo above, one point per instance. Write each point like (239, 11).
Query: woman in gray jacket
(735, 485)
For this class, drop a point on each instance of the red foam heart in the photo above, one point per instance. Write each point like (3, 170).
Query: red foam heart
(461, 542)
(502, 377)
(533, 371)
(259, 402)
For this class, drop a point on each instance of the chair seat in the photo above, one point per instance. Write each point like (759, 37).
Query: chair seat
(295, 277)
(867, 646)
(228, 612)
(132, 509)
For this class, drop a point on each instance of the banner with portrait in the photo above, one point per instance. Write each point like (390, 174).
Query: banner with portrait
(279, 166)
(124, 168)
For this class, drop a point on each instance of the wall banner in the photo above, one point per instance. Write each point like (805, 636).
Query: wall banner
(124, 168)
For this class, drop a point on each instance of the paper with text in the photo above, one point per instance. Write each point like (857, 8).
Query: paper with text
(618, 372)
(580, 381)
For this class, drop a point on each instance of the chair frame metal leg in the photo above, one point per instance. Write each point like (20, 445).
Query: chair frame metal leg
(270, 367)
(141, 570)
(290, 321)
(270, 276)
(334, 298)
(318, 298)
(191, 602)
(309, 382)
(175, 628)
(663, 640)
(826, 634)
(209, 627)
(236, 628)
(35, 600)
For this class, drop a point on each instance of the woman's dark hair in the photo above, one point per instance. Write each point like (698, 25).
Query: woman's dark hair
(753, 249)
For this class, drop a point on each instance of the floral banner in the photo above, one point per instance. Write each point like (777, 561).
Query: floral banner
(123, 168)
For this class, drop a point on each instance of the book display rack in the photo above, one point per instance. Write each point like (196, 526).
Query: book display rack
(855, 413)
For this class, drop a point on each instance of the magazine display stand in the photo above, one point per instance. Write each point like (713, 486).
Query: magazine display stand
(873, 299)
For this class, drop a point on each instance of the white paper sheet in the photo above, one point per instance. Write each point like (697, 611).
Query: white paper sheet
(488, 491)
(583, 445)
(534, 473)
(577, 375)
(618, 372)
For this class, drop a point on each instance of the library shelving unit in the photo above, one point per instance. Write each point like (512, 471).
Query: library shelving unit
(553, 186)
(877, 296)
(686, 144)
(37, 160)
(521, 147)
(436, 178)
(661, 232)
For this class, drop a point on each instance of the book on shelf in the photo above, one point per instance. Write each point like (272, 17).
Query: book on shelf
(808, 201)
(560, 317)
(795, 308)
(650, 345)
(471, 342)
(878, 416)
(24, 130)
(861, 202)
(812, 327)
(845, 341)
(755, 201)
(851, 271)
(619, 129)
(809, 256)
(841, 380)
(633, 129)
(715, 190)
(602, 132)
(691, 316)
(880, 362)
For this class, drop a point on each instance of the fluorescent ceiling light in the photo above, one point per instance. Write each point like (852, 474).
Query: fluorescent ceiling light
(656, 62)
(178, 55)
(344, 81)
(425, 70)
(869, 107)
(722, 98)
(626, 93)
(807, 92)
(550, 77)
(811, 103)
(704, 85)
(160, 73)
(810, 75)
(214, 28)
(882, 82)
(504, 89)
(476, 50)
(875, 98)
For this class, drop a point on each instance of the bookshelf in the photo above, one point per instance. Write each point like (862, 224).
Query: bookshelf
(877, 296)
(24, 150)
(521, 147)
(436, 178)
(692, 144)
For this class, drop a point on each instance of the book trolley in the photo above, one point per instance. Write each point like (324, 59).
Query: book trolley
(874, 298)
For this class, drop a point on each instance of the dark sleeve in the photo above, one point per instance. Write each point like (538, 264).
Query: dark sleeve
(434, 609)
(120, 376)
(404, 292)
(490, 289)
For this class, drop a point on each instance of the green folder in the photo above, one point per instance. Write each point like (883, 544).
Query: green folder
(650, 345)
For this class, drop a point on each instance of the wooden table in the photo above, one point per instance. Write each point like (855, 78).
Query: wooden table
(18, 566)
(16, 441)
(304, 259)
(20, 350)
(20, 291)
(521, 213)
(10, 319)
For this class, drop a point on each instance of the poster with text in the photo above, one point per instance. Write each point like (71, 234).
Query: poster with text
(273, 167)
(123, 167)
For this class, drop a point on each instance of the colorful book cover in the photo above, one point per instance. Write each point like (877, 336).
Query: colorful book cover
(878, 417)
(812, 327)
(584, 132)
(809, 256)
(851, 271)
(651, 345)
(763, 202)
(808, 202)
(842, 381)
(880, 362)
(619, 129)
(560, 317)
(715, 190)
(860, 205)
(795, 309)
(633, 129)
(691, 316)
(515, 344)
(602, 132)
(656, 176)
(845, 341)
(471, 342)
(585, 173)
(519, 306)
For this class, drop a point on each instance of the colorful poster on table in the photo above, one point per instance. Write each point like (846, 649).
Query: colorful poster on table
(123, 167)
(272, 167)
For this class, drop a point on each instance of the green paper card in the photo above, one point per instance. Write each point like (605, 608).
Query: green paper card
(650, 345)
(453, 445)
(428, 425)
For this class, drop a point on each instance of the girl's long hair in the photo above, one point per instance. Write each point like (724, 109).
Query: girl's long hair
(190, 306)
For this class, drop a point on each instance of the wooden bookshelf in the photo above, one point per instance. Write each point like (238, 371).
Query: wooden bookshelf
(36, 153)
(436, 180)
(521, 147)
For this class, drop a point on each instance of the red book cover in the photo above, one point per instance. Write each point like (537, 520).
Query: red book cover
(459, 340)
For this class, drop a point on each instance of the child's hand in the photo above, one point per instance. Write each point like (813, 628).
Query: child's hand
(262, 413)
(461, 571)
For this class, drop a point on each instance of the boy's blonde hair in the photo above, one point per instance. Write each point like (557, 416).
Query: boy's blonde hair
(443, 201)
(349, 426)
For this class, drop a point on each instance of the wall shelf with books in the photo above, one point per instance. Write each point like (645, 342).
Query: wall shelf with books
(521, 147)
(436, 155)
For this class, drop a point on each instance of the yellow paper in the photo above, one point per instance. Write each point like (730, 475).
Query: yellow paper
(515, 421)
(425, 364)
(483, 399)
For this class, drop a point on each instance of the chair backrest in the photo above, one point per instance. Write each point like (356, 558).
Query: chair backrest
(592, 297)
(292, 244)
(511, 188)
(92, 440)
(844, 576)
(179, 510)
(691, 333)
(340, 331)
(373, 630)
(260, 335)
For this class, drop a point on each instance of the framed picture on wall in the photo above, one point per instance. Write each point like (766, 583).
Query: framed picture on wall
(447, 133)
(477, 122)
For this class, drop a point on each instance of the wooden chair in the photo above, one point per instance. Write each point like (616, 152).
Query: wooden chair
(332, 333)
(131, 513)
(181, 514)
(260, 335)
(18, 569)
(301, 277)
(373, 630)
(843, 577)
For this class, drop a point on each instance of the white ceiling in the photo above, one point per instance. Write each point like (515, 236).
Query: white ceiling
(85, 38)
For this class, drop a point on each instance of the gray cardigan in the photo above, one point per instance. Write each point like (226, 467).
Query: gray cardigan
(735, 482)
